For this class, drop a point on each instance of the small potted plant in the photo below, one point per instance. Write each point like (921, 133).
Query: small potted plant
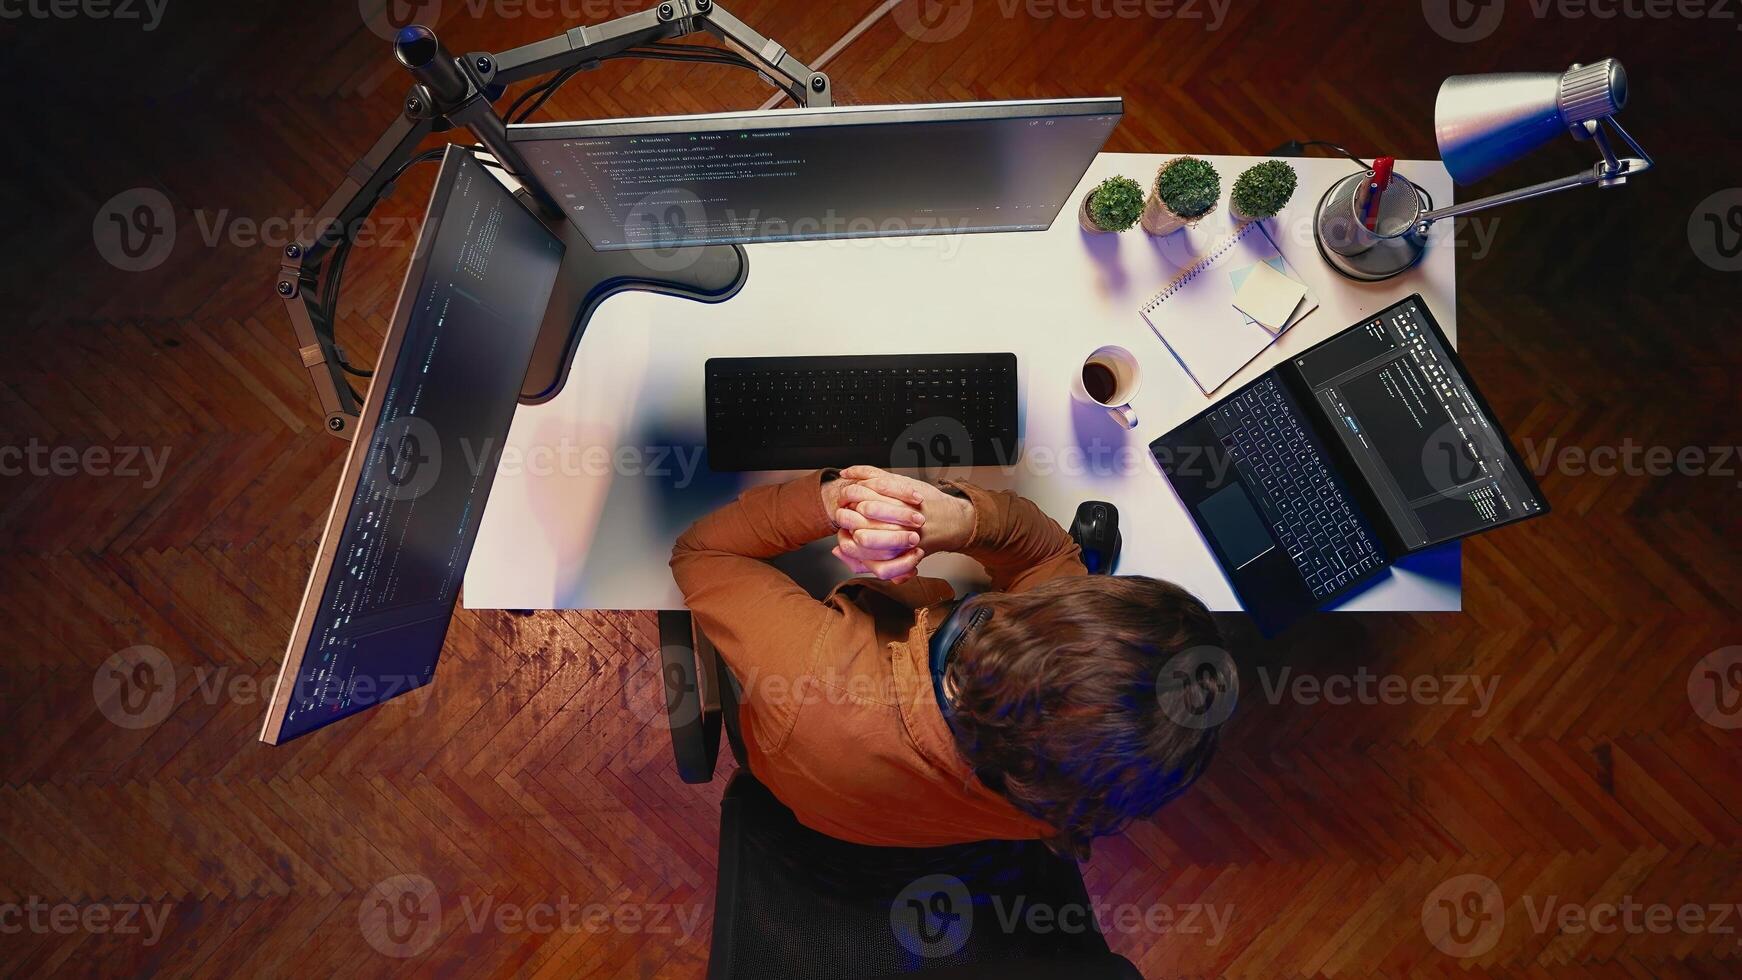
(1262, 191)
(1115, 204)
(1185, 190)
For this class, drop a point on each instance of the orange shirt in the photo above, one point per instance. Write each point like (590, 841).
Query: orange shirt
(838, 714)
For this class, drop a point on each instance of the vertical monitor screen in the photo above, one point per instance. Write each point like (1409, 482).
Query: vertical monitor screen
(1401, 404)
(419, 472)
(791, 175)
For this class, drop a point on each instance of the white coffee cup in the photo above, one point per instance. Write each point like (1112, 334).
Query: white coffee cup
(1109, 378)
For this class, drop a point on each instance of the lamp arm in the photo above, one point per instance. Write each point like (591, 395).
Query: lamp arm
(1644, 160)
(1609, 171)
(1509, 197)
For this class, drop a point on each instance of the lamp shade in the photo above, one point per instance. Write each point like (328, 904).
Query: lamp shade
(1484, 122)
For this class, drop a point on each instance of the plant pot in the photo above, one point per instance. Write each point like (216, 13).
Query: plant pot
(1087, 222)
(1158, 219)
(1242, 216)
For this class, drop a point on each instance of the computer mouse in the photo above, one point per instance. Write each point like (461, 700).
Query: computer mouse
(1096, 531)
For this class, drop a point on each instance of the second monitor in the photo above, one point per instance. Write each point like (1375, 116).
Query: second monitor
(848, 172)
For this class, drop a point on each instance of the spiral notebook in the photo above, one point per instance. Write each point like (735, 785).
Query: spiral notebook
(1195, 313)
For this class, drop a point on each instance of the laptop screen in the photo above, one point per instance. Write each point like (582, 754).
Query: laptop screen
(1427, 445)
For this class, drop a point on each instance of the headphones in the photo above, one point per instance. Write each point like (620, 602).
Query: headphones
(950, 634)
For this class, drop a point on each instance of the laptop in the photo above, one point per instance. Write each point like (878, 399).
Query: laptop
(1312, 480)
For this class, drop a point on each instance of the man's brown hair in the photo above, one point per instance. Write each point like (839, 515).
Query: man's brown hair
(1067, 700)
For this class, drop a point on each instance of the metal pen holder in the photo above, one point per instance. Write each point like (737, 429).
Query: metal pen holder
(1394, 243)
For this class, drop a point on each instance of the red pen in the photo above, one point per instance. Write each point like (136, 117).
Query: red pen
(1376, 188)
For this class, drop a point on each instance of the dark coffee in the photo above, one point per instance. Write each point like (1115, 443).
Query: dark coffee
(1100, 381)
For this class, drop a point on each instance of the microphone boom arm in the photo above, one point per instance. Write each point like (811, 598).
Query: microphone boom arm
(453, 92)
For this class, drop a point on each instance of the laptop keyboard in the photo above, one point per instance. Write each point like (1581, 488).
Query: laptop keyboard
(1308, 512)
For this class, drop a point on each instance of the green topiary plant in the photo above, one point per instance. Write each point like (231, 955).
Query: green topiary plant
(1114, 204)
(1186, 189)
(1263, 190)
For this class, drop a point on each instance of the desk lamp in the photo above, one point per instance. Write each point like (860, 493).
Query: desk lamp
(1482, 123)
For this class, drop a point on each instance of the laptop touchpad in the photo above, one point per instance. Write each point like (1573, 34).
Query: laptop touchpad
(1235, 525)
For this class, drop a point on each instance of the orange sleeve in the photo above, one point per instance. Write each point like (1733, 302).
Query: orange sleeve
(757, 616)
(1017, 543)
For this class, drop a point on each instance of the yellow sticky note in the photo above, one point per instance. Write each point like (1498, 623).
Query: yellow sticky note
(1268, 296)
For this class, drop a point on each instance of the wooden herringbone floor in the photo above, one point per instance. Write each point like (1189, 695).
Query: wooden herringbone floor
(1599, 769)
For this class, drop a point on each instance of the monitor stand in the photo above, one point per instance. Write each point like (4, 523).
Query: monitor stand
(707, 274)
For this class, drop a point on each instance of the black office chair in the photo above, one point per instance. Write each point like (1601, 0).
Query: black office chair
(794, 903)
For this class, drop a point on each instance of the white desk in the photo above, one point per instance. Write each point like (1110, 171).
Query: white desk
(596, 484)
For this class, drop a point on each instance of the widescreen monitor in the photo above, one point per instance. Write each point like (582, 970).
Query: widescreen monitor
(796, 174)
(414, 485)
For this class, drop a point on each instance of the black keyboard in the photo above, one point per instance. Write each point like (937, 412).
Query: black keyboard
(1303, 501)
(905, 411)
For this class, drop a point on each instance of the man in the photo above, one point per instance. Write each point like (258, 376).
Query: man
(1057, 715)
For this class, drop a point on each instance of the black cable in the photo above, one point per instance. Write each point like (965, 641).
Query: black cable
(539, 95)
(329, 304)
(694, 54)
(1302, 144)
(513, 113)
(1297, 145)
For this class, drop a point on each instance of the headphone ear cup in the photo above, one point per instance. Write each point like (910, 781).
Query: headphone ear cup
(956, 625)
(951, 630)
